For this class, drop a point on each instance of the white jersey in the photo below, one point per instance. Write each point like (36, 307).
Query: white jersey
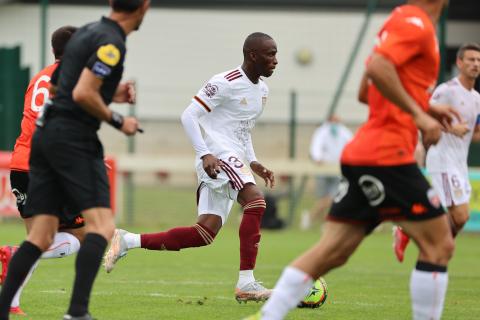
(451, 152)
(328, 142)
(233, 103)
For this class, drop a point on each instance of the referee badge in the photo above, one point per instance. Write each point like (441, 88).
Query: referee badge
(109, 54)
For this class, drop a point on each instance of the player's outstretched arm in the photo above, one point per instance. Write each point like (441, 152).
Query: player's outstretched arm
(266, 174)
(445, 115)
(459, 129)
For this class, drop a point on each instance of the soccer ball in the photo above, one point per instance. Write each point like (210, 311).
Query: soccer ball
(317, 295)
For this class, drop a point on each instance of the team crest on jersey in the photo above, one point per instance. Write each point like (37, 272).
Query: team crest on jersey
(342, 190)
(109, 54)
(433, 198)
(264, 101)
(457, 192)
(436, 96)
(210, 90)
(21, 197)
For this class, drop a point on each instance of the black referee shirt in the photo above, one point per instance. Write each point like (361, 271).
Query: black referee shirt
(100, 47)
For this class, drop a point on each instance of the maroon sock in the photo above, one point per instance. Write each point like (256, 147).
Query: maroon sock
(178, 238)
(250, 233)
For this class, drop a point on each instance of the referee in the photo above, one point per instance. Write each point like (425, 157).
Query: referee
(66, 162)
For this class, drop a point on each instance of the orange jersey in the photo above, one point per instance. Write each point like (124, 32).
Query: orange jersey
(389, 136)
(35, 96)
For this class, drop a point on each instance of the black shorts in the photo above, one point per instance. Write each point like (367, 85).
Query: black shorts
(66, 170)
(370, 195)
(19, 184)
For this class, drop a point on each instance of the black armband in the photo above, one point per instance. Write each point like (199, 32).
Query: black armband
(116, 121)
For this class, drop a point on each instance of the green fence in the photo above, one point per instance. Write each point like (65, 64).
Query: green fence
(13, 82)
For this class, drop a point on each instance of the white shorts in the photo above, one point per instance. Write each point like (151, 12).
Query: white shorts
(452, 187)
(216, 196)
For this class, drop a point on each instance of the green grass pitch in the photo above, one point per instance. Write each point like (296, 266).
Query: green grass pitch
(198, 283)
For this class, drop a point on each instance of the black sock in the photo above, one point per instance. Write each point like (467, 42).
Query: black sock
(21, 263)
(88, 261)
(430, 267)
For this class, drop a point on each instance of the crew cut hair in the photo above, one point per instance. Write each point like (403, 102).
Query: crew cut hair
(60, 38)
(251, 39)
(467, 46)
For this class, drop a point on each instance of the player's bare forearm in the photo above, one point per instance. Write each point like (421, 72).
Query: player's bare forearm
(445, 114)
(267, 175)
(459, 129)
(385, 77)
(87, 94)
(94, 105)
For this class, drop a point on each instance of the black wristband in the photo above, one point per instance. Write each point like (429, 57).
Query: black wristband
(117, 120)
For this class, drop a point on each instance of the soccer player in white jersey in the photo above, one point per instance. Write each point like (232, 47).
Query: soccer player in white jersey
(447, 161)
(226, 109)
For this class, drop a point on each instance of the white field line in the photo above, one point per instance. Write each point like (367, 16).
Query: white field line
(172, 282)
(151, 294)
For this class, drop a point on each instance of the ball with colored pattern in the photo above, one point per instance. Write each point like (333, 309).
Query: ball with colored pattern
(317, 295)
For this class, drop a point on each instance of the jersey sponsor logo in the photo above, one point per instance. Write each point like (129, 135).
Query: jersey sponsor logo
(244, 102)
(373, 189)
(210, 90)
(342, 190)
(79, 220)
(101, 70)
(381, 38)
(437, 95)
(457, 193)
(433, 198)
(243, 130)
(21, 197)
(418, 209)
(109, 54)
(416, 21)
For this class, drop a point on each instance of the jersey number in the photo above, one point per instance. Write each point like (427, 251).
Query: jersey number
(236, 162)
(40, 89)
(455, 182)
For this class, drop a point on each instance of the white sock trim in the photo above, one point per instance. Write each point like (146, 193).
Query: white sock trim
(133, 240)
(290, 289)
(245, 277)
(64, 244)
(16, 299)
(427, 291)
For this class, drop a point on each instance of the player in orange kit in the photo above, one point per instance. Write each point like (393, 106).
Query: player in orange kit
(381, 180)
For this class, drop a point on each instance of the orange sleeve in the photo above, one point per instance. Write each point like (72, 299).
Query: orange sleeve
(402, 39)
